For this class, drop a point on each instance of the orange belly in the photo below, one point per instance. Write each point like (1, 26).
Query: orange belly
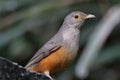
(54, 63)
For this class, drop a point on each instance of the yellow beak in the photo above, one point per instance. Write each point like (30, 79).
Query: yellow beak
(89, 16)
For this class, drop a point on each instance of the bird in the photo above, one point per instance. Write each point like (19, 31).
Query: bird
(61, 50)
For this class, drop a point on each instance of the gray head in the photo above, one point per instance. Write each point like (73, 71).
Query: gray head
(76, 19)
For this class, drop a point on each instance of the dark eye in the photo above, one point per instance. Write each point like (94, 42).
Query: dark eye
(76, 16)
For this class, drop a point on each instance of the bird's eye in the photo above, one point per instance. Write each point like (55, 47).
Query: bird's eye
(77, 16)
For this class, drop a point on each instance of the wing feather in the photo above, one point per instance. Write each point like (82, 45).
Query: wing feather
(46, 50)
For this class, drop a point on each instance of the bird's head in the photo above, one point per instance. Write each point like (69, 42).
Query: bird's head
(76, 19)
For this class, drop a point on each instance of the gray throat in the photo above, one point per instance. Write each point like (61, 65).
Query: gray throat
(71, 38)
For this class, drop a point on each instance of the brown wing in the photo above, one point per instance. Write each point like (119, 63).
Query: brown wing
(51, 46)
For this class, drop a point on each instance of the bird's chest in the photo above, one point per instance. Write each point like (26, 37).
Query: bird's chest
(71, 41)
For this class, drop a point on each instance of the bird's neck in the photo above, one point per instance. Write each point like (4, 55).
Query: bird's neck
(69, 31)
(71, 39)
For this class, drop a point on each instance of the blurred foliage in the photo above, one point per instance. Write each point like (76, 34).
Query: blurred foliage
(25, 25)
